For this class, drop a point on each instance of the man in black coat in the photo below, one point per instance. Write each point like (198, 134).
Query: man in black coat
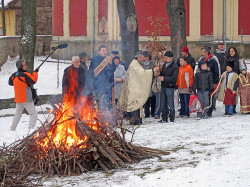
(185, 53)
(220, 53)
(214, 69)
(83, 60)
(168, 76)
(73, 79)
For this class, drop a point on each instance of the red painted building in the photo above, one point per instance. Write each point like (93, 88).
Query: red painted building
(73, 21)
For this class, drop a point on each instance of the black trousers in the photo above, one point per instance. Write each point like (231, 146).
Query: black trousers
(134, 117)
(149, 106)
(210, 110)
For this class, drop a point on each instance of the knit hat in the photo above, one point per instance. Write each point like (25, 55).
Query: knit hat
(169, 54)
(82, 55)
(185, 49)
(230, 64)
(114, 52)
(203, 62)
(242, 64)
(116, 57)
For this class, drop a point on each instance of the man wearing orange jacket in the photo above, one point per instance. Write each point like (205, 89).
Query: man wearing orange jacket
(21, 80)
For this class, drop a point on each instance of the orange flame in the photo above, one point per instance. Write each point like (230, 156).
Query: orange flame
(64, 134)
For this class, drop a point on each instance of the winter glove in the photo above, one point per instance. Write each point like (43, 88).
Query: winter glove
(36, 70)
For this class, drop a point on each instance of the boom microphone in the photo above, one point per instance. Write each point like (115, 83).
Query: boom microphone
(61, 46)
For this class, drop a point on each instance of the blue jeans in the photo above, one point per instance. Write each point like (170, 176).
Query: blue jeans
(157, 104)
(229, 109)
(167, 103)
(184, 100)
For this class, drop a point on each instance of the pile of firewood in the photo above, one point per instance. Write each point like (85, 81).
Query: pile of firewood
(104, 149)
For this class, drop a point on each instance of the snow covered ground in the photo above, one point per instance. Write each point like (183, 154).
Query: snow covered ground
(209, 152)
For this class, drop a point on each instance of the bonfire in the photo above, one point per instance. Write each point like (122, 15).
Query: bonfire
(76, 139)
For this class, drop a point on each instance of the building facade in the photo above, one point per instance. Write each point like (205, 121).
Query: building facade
(73, 23)
(9, 45)
(13, 14)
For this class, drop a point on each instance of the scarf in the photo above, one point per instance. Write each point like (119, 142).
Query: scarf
(209, 56)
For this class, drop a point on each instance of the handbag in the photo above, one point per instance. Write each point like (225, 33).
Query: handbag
(156, 85)
(194, 104)
(34, 96)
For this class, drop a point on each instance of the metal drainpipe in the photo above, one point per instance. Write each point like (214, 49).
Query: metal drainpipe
(224, 23)
(93, 30)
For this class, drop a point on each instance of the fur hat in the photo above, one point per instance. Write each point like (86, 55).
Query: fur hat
(185, 49)
(230, 64)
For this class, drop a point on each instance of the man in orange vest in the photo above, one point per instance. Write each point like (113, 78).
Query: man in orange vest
(22, 80)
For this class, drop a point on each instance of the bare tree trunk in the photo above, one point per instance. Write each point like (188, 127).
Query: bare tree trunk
(129, 29)
(3, 19)
(177, 19)
(28, 33)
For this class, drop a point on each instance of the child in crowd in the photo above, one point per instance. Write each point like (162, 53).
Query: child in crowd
(156, 88)
(203, 83)
(244, 88)
(185, 83)
(228, 89)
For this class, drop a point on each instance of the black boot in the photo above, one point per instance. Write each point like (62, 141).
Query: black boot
(163, 120)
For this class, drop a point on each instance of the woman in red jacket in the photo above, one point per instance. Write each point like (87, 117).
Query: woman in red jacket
(185, 82)
(22, 80)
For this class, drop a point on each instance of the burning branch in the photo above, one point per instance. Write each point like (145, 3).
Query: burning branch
(76, 140)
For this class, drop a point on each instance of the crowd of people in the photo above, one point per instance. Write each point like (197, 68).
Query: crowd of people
(219, 76)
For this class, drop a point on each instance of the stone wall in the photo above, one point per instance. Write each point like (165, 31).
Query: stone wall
(10, 46)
